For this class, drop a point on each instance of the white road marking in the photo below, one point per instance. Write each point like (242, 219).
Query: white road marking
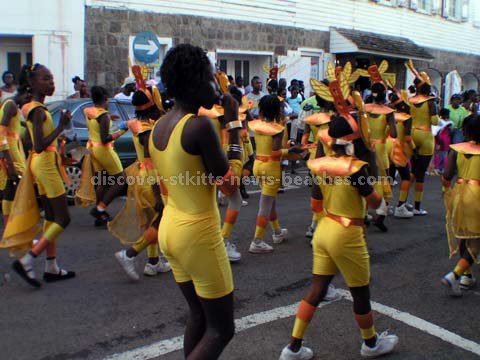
(422, 325)
(170, 345)
(174, 344)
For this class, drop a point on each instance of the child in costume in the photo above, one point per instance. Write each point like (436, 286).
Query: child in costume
(339, 241)
(103, 157)
(45, 167)
(463, 206)
(13, 162)
(269, 139)
(424, 114)
(140, 217)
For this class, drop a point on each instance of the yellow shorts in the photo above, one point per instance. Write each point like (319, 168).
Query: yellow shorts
(194, 247)
(424, 142)
(45, 172)
(382, 155)
(269, 176)
(105, 158)
(344, 248)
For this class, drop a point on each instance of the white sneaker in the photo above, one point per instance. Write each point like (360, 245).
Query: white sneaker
(244, 203)
(278, 239)
(410, 207)
(452, 283)
(128, 264)
(385, 344)
(420, 212)
(369, 217)
(390, 210)
(467, 282)
(332, 294)
(402, 212)
(260, 248)
(309, 233)
(303, 354)
(233, 254)
(161, 266)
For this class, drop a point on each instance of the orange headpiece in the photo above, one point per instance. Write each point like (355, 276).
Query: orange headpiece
(273, 71)
(422, 76)
(154, 97)
(223, 82)
(375, 76)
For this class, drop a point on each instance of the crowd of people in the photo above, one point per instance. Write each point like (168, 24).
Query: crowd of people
(207, 124)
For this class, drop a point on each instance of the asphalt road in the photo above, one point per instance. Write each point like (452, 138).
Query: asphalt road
(101, 312)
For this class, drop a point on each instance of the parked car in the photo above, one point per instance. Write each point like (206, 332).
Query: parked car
(77, 134)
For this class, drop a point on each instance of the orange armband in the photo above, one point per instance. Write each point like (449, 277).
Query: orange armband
(117, 134)
(228, 183)
(316, 205)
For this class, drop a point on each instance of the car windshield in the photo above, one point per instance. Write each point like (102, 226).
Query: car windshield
(54, 108)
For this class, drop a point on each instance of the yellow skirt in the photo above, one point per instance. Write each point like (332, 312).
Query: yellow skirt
(24, 219)
(463, 218)
(85, 195)
(138, 213)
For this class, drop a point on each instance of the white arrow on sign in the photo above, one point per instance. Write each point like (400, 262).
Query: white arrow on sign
(151, 47)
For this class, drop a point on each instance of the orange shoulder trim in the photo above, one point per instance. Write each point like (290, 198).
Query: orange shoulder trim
(378, 109)
(335, 166)
(134, 126)
(418, 99)
(94, 112)
(29, 107)
(318, 119)
(215, 112)
(324, 138)
(401, 117)
(467, 148)
(261, 127)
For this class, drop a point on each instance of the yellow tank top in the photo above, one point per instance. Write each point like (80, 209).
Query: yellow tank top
(420, 115)
(264, 132)
(91, 116)
(14, 138)
(138, 127)
(378, 126)
(339, 197)
(178, 169)
(47, 128)
(468, 167)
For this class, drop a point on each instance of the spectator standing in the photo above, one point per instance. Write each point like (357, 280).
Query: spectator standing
(457, 114)
(9, 89)
(239, 83)
(128, 88)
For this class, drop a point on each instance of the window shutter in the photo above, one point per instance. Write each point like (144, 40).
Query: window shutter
(414, 4)
(446, 8)
(435, 6)
(465, 10)
(401, 3)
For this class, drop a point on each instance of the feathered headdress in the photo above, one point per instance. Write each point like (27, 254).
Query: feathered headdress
(422, 76)
(154, 97)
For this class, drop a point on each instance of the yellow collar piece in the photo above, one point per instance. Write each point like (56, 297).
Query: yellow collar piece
(378, 109)
(215, 112)
(324, 138)
(401, 117)
(27, 108)
(261, 127)
(318, 119)
(335, 166)
(418, 99)
(470, 148)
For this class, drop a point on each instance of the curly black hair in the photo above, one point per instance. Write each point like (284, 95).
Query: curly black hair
(184, 70)
(471, 128)
(269, 107)
(99, 94)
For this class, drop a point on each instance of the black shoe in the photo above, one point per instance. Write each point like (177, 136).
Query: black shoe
(49, 277)
(100, 215)
(20, 270)
(100, 223)
(379, 223)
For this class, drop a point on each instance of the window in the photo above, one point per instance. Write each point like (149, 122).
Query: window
(78, 117)
(456, 9)
(223, 65)
(29, 58)
(129, 109)
(246, 72)
(14, 60)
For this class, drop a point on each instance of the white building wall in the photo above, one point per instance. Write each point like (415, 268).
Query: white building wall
(426, 30)
(57, 28)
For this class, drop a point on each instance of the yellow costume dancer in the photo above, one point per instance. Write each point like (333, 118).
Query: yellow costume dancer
(13, 164)
(105, 163)
(269, 140)
(463, 206)
(424, 114)
(400, 151)
(46, 169)
(339, 242)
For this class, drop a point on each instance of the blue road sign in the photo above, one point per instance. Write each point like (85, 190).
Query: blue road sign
(146, 48)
